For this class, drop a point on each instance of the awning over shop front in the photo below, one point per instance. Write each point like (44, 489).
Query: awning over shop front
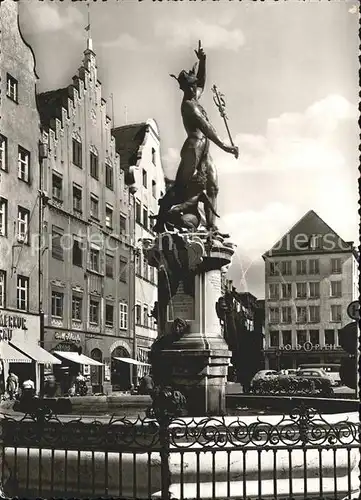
(77, 358)
(36, 352)
(132, 361)
(11, 355)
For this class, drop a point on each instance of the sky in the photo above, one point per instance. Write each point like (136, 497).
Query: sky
(288, 71)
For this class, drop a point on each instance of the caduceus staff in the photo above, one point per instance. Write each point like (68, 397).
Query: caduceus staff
(220, 102)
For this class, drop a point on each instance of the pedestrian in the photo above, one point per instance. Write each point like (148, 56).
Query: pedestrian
(12, 385)
(146, 385)
(28, 390)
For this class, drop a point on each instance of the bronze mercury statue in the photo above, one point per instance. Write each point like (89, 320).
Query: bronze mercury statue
(196, 178)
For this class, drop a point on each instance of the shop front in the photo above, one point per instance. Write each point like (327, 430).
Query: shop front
(20, 351)
(292, 356)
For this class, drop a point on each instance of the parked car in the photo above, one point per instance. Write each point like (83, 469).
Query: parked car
(263, 375)
(322, 381)
(331, 369)
(288, 372)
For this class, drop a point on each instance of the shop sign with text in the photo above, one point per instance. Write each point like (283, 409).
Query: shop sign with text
(67, 336)
(308, 346)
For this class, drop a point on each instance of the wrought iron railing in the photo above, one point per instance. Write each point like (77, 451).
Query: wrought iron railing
(302, 455)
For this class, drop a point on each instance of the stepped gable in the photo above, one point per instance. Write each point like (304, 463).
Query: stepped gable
(310, 235)
(128, 140)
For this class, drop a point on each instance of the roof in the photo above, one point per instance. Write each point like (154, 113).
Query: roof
(310, 234)
(50, 104)
(128, 140)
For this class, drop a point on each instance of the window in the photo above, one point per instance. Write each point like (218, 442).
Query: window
(314, 290)
(301, 314)
(12, 88)
(77, 199)
(138, 265)
(301, 336)
(274, 339)
(23, 225)
(77, 252)
(286, 315)
(314, 337)
(145, 315)
(22, 293)
(123, 316)
(313, 266)
(329, 337)
(77, 153)
(145, 268)
(138, 314)
(273, 291)
(336, 313)
(94, 207)
(274, 314)
(286, 290)
(144, 178)
(301, 266)
(57, 187)
(3, 217)
(109, 181)
(314, 314)
(273, 268)
(76, 308)
(109, 314)
(301, 290)
(336, 290)
(145, 217)
(151, 274)
(123, 264)
(286, 267)
(94, 311)
(56, 244)
(3, 153)
(122, 224)
(286, 337)
(108, 217)
(336, 266)
(154, 157)
(2, 288)
(94, 165)
(109, 266)
(57, 299)
(23, 164)
(138, 212)
(154, 189)
(94, 259)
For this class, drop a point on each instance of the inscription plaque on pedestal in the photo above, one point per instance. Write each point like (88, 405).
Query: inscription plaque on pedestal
(181, 305)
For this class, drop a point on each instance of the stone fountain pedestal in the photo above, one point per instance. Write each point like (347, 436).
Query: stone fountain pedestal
(190, 353)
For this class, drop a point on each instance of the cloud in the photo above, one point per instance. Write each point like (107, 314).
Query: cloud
(255, 231)
(126, 42)
(213, 36)
(170, 161)
(294, 141)
(45, 17)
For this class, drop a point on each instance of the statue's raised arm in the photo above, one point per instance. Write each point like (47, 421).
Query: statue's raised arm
(201, 74)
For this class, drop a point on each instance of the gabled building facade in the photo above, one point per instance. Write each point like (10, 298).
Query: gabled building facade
(311, 276)
(86, 226)
(138, 146)
(19, 201)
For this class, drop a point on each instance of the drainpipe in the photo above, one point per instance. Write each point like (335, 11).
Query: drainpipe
(43, 153)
